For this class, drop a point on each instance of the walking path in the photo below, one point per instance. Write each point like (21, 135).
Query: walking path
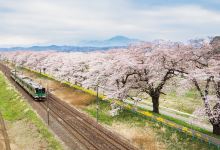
(4, 140)
(175, 114)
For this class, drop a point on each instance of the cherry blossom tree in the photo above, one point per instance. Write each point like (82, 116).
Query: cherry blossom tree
(205, 75)
(148, 70)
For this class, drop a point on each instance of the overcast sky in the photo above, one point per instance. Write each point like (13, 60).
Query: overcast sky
(44, 22)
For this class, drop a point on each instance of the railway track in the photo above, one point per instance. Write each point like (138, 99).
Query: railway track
(70, 128)
(4, 134)
(78, 125)
(102, 137)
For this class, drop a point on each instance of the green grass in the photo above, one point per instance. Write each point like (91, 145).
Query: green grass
(192, 93)
(182, 123)
(182, 141)
(185, 124)
(187, 102)
(14, 108)
(104, 117)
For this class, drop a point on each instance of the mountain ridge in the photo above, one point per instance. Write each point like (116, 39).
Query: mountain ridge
(118, 40)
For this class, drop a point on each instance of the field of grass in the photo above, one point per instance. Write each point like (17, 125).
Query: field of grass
(173, 139)
(14, 108)
(182, 99)
(187, 102)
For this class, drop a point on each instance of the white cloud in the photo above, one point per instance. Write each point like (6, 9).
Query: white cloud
(67, 21)
(8, 41)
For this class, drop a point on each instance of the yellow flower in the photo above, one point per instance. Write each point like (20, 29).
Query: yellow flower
(148, 114)
(160, 119)
(128, 106)
(171, 124)
(207, 139)
(198, 135)
(184, 129)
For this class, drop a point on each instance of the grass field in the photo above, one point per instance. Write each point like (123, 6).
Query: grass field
(14, 109)
(172, 139)
(187, 102)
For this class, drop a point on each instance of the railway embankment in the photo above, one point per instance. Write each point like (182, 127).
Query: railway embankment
(25, 129)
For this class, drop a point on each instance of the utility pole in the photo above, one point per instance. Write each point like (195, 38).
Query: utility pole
(15, 69)
(97, 103)
(48, 109)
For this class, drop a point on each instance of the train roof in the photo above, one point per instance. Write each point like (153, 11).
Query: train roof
(29, 81)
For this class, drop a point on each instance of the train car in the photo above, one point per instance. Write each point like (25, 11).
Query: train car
(34, 89)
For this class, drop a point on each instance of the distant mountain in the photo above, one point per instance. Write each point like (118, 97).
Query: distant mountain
(60, 48)
(114, 41)
(85, 46)
(117, 42)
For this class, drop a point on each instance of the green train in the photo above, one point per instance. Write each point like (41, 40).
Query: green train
(34, 89)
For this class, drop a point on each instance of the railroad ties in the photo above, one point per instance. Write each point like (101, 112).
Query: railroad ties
(4, 140)
(87, 130)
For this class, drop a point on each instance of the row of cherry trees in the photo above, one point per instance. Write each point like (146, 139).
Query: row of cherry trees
(143, 68)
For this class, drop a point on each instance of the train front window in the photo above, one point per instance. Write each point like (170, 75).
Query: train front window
(40, 91)
(43, 90)
(37, 90)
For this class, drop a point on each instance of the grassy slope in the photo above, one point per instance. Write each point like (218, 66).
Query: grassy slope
(173, 140)
(14, 108)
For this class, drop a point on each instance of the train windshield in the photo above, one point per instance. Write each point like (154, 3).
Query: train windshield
(40, 91)
(43, 90)
(37, 90)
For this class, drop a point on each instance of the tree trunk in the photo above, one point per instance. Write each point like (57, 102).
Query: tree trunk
(216, 129)
(155, 101)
